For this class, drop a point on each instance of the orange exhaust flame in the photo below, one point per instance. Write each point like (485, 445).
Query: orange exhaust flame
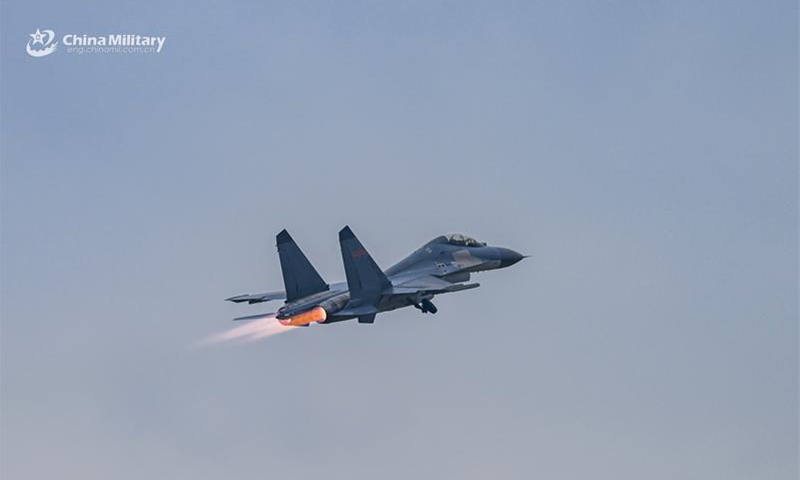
(250, 331)
(316, 314)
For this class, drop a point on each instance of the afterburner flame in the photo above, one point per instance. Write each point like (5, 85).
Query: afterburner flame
(316, 314)
(250, 331)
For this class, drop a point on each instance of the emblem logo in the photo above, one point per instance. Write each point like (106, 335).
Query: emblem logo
(45, 39)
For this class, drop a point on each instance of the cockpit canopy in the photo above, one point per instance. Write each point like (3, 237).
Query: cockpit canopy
(463, 240)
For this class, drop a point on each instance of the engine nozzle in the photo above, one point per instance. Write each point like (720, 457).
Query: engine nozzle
(316, 314)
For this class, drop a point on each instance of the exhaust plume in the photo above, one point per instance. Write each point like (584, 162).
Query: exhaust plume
(250, 331)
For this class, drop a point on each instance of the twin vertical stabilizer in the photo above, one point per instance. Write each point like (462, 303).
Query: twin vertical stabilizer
(299, 276)
(365, 279)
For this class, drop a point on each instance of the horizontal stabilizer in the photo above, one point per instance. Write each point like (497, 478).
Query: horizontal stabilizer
(257, 297)
(255, 317)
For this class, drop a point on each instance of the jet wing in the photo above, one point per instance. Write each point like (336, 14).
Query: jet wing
(257, 297)
(358, 311)
(428, 284)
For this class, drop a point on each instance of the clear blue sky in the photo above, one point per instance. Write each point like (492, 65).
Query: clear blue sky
(645, 154)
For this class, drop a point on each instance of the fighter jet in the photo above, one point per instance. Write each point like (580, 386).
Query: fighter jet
(442, 265)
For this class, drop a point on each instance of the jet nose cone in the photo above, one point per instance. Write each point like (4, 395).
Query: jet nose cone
(509, 257)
